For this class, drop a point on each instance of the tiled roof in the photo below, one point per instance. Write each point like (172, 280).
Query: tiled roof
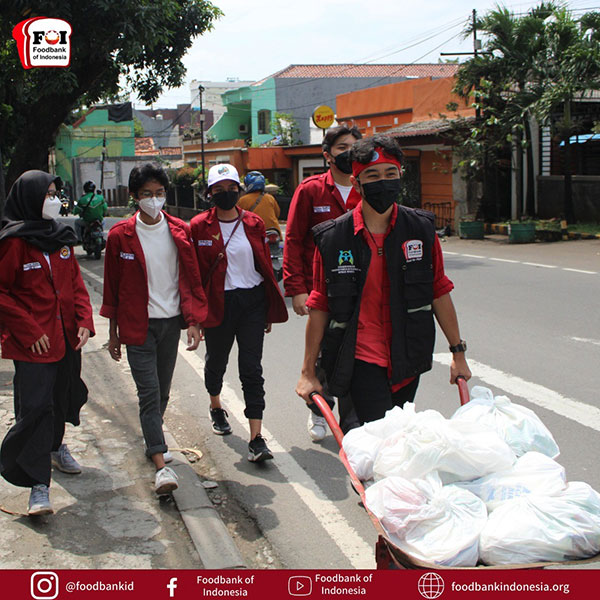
(350, 70)
(421, 128)
(144, 145)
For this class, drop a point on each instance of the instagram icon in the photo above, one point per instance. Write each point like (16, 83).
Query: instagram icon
(44, 585)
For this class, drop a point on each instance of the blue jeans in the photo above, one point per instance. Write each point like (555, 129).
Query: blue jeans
(152, 365)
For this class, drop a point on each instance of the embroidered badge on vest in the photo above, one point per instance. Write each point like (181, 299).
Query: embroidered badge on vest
(345, 258)
(65, 252)
(204, 242)
(413, 250)
(321, 209)
(127, 255)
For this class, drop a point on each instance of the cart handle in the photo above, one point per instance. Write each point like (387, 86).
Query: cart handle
(329, 416)
(463, 390)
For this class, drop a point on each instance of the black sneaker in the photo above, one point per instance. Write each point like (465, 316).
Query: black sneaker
(220, 426)
(257, 450)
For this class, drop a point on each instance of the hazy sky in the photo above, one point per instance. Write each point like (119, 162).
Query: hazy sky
(255, 38)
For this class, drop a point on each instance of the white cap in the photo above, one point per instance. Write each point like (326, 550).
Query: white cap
(222, 172)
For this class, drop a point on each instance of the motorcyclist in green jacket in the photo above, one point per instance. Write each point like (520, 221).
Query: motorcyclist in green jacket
(91, 207)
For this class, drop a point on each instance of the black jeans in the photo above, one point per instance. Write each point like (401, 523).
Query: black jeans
(244, 320)
(39, 422)
(152, 365)
(371, 392)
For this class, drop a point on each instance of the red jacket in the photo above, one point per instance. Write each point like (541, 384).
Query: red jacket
(126, 282)
(34, 302)
(208, 241)
(315, 200)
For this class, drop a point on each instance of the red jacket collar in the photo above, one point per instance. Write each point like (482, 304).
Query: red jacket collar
(359, 222)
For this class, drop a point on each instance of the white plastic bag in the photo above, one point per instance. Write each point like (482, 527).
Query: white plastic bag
(517, 425)
(458, 450)
(361, 449)
(532, 473)
(544, 528)
(428, 521)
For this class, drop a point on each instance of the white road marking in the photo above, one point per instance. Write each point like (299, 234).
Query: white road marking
(91, 275)
(580, 271)
(351, 544)
(530, 264)
(586, 340)
(577, 411)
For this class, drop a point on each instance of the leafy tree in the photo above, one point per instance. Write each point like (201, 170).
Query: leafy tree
(138, 128)
(532, 66)
(285, 128)
(116, 44)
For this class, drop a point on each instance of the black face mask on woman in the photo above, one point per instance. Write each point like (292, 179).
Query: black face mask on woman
(225, 200)
(381, 194)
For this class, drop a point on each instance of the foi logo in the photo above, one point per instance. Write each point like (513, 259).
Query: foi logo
(43, 42)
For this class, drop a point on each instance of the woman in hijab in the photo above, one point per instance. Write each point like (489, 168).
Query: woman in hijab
(45, 319)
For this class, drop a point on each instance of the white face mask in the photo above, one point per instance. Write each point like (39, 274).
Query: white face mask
(51, 208)
(152, 206)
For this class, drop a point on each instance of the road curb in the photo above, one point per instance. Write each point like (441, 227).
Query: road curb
(209, 534)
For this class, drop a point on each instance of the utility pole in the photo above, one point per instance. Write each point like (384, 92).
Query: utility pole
(102, 164)
(200, 91)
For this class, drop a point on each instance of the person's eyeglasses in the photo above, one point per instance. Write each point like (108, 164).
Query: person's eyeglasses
(158, 194)
(51, 194)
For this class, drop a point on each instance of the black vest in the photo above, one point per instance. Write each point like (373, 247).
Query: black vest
(346, 257)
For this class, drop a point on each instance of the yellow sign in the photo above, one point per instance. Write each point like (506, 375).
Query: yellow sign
(323, 116)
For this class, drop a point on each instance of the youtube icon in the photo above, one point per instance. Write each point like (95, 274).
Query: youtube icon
(300, 585)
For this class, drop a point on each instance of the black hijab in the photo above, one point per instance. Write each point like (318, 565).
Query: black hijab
(23, 214)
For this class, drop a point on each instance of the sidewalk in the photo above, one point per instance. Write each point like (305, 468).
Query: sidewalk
(109, 517)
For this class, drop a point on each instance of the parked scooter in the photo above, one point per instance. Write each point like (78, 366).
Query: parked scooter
(276, 249)
(93, 241)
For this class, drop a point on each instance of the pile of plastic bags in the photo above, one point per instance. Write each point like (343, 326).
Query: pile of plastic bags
(482, 486)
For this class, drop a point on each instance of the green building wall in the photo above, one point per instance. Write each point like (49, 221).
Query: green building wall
(86, 139)
(243, 106)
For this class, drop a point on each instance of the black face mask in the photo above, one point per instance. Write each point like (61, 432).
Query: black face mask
(343, 163)
(225, 200)
(381, 194)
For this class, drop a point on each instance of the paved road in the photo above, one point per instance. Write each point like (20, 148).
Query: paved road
(529, 314)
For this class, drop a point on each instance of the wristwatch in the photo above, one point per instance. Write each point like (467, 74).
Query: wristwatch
(460, 347)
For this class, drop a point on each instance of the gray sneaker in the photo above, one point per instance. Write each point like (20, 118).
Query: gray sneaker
(63, 461)
(39, 500)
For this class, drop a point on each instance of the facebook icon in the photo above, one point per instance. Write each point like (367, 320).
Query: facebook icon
(171, 586)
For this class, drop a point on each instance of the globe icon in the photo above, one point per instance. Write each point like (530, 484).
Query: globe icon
(431, 586)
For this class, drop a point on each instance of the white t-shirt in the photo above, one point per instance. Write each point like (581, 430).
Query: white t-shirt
(344, 191)
(162, 267)
(241, 272)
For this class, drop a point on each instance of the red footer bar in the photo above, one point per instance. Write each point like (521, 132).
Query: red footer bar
(284, 584)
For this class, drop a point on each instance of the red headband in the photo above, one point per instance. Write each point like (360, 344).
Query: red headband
(378, 156)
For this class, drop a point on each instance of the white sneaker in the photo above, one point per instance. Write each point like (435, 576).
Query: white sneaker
(165, 481)
(317, 427)
(167, 457)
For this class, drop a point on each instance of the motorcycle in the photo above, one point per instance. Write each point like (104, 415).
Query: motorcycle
(65, 204)
(274, 242)
(93, 241)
